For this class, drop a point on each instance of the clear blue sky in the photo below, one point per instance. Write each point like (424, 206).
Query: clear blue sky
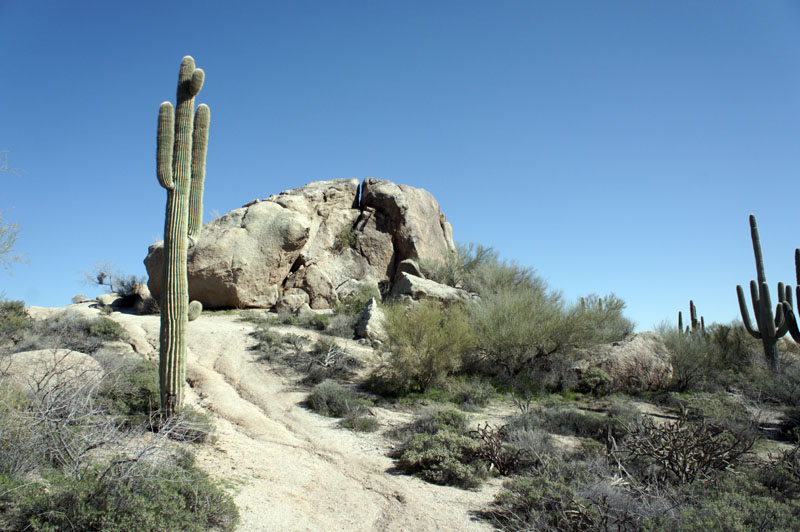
(612, 146)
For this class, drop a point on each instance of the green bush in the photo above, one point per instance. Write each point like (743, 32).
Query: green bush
(330, 398)
(131, 390)
(354, 303)
(72, 331)
(425, 344)
(13, 318)
(360, 422)
(595, 381)
(168, 498)
(469, 392)
(458, 266)
(732, 504)
(345, 239)
(522, 327)
(431, 420)
(319, 321)
(444, 457)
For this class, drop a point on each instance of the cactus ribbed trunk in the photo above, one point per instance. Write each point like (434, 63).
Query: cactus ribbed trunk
(768, 329)
(179, 174)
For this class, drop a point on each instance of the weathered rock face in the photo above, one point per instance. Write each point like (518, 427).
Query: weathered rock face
(312, 239)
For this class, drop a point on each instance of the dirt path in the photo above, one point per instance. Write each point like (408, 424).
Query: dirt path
(291, 469)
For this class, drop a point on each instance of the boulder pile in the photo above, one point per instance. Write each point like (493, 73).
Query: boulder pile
(308, 245)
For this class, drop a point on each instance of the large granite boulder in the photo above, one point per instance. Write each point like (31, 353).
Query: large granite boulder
(313, 239)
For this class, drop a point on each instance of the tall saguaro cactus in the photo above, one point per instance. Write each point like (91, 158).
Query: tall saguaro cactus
(181, 161)
(769, 329)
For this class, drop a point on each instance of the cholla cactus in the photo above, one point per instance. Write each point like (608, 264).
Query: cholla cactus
(181, 160)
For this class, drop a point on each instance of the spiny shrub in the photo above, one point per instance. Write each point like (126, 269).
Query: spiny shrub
(425, 344)
(330, 398)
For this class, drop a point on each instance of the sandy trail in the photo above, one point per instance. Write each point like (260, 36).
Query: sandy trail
(291, 469)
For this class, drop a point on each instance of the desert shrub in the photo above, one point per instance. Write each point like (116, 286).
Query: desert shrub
(722, 411)
(70, 330)
(469, 392)
(782, 473)
(354, 303)
(319, 321)
(431, 420)
(457, 266)
(733, 503)
(345, 239)
(330, 398)
(496, 450)
(537, 503)
(131, 390)
(13, 318)
(681, 451)
(520, 328)
(325, 360)
(269, 342)
(425, 344)
(595, 381)
(360, 422)
(190, 425)
(445, 457)
(573, 422)
(342, 325)
(166, 498)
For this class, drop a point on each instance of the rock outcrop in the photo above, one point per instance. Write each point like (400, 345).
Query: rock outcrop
(639, 362)
(314, 240)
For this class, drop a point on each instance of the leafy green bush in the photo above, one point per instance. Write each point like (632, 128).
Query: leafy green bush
(425, 344)
(13, 318)
(167, 498)
(521, 327)
(330, 398)
(444, 457)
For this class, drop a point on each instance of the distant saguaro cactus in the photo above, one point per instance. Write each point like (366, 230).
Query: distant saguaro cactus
(181, 161)
(693, 318)
(769, 329)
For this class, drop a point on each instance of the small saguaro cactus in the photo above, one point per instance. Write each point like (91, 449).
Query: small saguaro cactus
(181, 161)
(693, 318)
(769, 329)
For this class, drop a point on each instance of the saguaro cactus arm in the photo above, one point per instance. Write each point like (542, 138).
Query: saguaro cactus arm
(202, 119)
(166, 144)
(788, 304)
